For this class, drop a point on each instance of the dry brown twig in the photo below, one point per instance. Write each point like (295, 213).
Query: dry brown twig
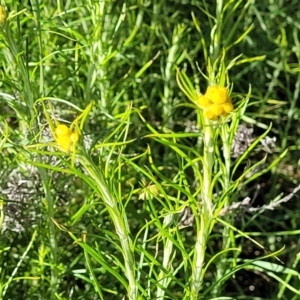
(245, 204)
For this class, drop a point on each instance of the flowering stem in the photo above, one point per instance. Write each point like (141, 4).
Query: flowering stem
(208, 160)
(119, 219)
(206, 214)
(225, 136)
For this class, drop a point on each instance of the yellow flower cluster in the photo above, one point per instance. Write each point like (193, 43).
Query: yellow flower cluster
(215, 102)
(65, 137)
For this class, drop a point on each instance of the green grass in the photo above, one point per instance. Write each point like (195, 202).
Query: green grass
(151, 201)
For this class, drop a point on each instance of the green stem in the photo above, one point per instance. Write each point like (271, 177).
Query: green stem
(206, 215)
(98, 50)
(222, 264)
(167, 98)
(167, 266)
(119, 219)
(217, 32)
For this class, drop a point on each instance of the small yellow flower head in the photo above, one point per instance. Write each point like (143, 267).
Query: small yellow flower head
(217, 109)
(217, 94)
(215, 102)
(228, 107)
(62, 130)
(203, 101)
(209, 114)
(2, 15)
(65, 138)
(74, 137)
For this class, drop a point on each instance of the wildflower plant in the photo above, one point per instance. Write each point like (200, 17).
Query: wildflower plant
(68, 144)
(135, 184)
(218, 121)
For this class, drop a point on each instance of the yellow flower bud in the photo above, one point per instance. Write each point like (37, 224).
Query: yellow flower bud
(203, 101)
(62, 130)
(217, 109)
(209, 114)
(65, 138)
(74, 137)
(64, 143)
(228, 107)
(217, 94)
